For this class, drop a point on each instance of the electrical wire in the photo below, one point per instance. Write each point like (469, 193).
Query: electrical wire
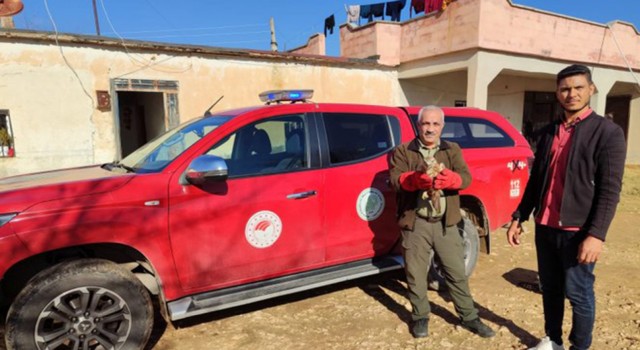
(192, 29)
(149, 63)
(159, 13)
(55, 29)
(156, 63)
(237, 41)
(126, 49)
(197, 35)
(624, 57)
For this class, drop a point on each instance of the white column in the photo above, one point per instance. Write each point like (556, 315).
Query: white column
(633, 142)
(480, 73)
(604, 82)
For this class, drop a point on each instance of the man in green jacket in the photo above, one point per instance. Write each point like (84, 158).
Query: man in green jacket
(427, 174)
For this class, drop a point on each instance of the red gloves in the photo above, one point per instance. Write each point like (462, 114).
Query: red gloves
(415, 180)
(447, 180)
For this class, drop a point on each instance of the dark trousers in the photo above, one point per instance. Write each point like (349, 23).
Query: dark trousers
(562, 276)
(447, 243)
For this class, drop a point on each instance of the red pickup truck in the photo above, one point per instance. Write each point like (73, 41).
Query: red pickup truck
(225, 210)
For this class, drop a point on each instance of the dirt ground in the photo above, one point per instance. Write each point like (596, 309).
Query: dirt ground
(373, 313)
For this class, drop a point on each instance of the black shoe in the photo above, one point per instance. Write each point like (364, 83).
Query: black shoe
(476, 326)
(420, 328)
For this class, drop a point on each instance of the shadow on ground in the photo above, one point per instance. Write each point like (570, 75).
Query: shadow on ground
(393, 284)
(523, 278)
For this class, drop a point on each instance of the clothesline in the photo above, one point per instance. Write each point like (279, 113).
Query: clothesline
(377, 10)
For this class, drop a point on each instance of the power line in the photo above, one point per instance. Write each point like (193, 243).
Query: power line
(195, 35)
(159, 13)
(237, 41)
(191, 29)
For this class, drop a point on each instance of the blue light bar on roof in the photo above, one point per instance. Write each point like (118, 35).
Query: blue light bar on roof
(277, 96)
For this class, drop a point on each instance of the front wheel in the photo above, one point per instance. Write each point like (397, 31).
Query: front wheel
(83, 304)
(471, 246)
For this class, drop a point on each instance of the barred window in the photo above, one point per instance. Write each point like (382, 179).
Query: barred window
(7, 147)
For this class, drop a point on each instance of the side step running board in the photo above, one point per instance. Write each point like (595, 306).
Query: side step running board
(257, 291)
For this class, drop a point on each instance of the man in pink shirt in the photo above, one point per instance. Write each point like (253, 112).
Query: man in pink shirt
(573, 192)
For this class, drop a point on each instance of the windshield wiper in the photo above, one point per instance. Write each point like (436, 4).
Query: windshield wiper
(110, 166)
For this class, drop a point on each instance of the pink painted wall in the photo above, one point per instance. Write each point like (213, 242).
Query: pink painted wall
(507, 27)
(453, 30)
(358, 42)
(316, 45)
(495, 25)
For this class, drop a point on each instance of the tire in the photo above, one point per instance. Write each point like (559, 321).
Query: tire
(82, 304)
(471, 244)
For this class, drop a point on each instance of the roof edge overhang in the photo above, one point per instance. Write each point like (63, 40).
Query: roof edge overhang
(28, 36)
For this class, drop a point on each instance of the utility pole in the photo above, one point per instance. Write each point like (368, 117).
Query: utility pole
(274, 43)
(95, 17)
(7, 22)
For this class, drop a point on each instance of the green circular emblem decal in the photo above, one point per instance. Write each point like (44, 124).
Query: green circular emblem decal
(370, 204)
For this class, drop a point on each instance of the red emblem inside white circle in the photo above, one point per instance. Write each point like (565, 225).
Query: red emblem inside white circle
(263, 229)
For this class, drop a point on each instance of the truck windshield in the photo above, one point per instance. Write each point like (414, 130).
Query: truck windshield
(159, 152)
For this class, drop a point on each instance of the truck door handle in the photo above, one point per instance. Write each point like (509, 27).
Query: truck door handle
(301, 195)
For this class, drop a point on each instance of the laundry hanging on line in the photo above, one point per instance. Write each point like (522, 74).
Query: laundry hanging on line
(329, 23)
(353, 14)
(394, 8)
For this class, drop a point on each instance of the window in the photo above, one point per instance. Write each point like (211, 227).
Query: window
(453, 130)
(473, 132)
(484, 134)
(354, 137)
(159, 152)
(7, 147)
(269, 146)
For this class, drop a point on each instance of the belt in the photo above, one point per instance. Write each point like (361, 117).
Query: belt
(431, 219)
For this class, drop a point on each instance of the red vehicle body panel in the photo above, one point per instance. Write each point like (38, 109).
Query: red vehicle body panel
(196, 237)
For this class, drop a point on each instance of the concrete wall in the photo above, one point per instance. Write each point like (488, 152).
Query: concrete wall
(633, 143)
(316, 45)
(441, 89)
(453, 30)
(508, 27)
(358, 42)
(506, 94)
(50, 91)
(425, 36)
(496, 25)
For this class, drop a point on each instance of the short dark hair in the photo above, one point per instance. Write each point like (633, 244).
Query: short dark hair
(574, 69)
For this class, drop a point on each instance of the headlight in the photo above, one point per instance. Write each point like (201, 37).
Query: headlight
(4, 218)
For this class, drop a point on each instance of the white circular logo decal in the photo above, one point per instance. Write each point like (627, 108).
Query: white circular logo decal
(263, 229)
(370, 204)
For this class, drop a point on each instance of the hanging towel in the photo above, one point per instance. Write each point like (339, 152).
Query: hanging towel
(433, 5)
(365, 12)
(329, 23)
(353, 13)
(377, 10)
(394, 8)
(417, 6)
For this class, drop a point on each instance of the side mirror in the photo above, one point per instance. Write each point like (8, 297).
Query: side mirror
(206, 168)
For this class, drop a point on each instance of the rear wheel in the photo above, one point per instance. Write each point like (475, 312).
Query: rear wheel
(83, 304)
(471, 246)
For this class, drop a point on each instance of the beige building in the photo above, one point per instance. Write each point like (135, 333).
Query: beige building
(75, 100)
(69, 100)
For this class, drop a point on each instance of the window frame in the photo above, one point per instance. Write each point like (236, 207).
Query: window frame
(472, 142)
(308, 130)
(393, 128)
(8, 151)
